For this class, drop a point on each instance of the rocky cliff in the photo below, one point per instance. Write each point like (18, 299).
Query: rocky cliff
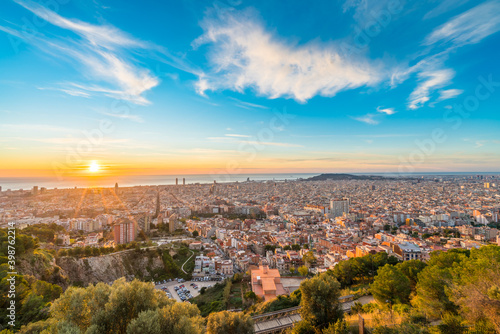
(66, 271)
(107, 268)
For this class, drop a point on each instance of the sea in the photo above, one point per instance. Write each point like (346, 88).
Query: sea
(17, 183)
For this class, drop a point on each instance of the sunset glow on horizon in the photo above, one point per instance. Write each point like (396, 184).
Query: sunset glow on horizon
(94, 167)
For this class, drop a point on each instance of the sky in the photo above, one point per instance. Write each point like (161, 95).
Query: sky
(186, 87)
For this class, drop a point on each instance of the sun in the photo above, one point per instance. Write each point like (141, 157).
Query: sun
(94, 167)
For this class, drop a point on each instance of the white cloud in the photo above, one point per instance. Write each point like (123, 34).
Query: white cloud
(429, 81)
(387, 111)
(135, 118)
(257, 143)
(248, 105)
(469, 27)
(366, 10)
(368, 119)
(449, 94)
(443, 7)
(236, 135)
(104, 54)
(244, 55)
(105, 36)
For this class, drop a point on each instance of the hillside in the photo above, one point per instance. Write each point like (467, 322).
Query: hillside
(338, 177)
(108, 268)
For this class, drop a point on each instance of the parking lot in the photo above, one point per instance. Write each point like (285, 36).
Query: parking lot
(194, 292)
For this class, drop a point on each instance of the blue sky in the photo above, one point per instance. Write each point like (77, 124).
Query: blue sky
(239, 86)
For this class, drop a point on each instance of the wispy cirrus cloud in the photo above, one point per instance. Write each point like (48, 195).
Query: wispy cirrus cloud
(237, 135)
(258, 143)
(430, 80)
(103, 53)
(443, 7)
(469, 27)
(247, 105)
(130, 117)
(449, 94)
(245, 139)
(243, 54)
(375, 118)
(368, 119)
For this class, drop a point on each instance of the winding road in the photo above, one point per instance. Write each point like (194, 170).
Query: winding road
(182, 268)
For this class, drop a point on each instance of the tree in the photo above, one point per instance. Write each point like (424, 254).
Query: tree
(303, 327)
(309, 258)
(88, 251)
(295, 247)
(195, 234)
(320, 300)
(390, 286)
(452, 324)
(271, 248)
(292, 270)
(340, 327)
(96, 251)
(433, 281)
(250, 295)
(229, 323)
(181, 318)
(431, 298)
(107, 309)
(357, 308)
(62, 252)
(411, 269)
(303, 270)
(361, 268)
(77, 251)
(476, 286)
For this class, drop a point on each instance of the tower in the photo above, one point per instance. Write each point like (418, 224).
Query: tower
(176, 181)
(339, 207)
(183, 181)
(116, 188)
(157, 212)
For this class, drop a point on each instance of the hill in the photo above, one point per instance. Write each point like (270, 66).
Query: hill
(338, 177)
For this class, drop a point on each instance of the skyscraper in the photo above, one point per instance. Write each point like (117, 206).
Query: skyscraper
(339, 207)
(157, 212)
(124, 232)
(183, 181)
(176, 181)
(116, 188)
(171, 223)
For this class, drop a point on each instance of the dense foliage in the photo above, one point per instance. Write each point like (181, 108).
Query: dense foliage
(361, 269)
(459, 288)
(320, 306)
(32, 297)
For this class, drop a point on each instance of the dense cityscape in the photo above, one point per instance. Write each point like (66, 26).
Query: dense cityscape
(277, 233)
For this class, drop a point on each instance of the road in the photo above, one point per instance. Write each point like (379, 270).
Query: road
(182, 268)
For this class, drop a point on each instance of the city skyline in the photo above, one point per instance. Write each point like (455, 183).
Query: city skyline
(233, 87)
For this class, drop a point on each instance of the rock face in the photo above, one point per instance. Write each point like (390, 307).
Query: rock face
(42, 265)
(107, 268)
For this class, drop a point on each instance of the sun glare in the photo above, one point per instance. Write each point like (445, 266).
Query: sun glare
(94, 167)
